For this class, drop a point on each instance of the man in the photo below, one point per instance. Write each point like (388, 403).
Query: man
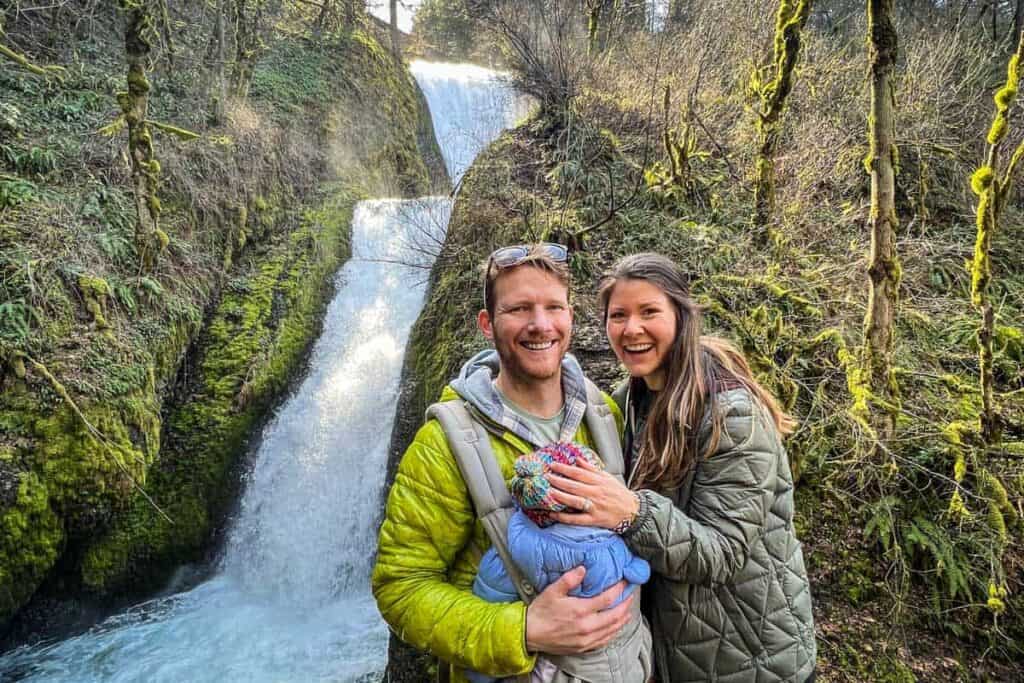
(526, 393)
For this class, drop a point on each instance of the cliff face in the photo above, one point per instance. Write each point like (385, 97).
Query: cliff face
(126, 407)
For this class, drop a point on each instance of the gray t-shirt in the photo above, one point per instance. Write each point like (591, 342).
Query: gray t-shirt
(548, 429)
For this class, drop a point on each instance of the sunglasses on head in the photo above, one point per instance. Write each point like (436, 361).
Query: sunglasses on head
(508, 257)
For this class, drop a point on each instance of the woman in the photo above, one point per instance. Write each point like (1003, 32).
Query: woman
(710, 497)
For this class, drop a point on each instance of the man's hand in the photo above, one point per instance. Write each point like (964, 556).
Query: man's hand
(559, 624)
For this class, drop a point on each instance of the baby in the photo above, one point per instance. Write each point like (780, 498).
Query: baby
(543, 550)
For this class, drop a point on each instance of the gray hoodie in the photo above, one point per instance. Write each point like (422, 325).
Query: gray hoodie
(475, 385)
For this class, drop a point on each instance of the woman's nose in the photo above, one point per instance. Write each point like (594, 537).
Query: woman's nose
(632, 326)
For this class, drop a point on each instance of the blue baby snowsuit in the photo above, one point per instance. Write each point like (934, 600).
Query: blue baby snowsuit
(543, 555)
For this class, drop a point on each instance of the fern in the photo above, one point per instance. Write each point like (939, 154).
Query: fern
(882, 521)
(115, 247)
(15, 191)
(16, 318)
(151, 286)
(125, 295)
(923, 535)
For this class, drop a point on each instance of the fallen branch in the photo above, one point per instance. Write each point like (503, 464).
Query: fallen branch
(49, 71)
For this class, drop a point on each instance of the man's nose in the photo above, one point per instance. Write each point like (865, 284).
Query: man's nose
(541, 319)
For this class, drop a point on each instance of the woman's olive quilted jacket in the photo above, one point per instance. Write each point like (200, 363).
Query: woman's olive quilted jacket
(729, 599)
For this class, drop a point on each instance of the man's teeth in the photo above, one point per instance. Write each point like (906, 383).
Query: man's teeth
(538, 346)
(639, 348)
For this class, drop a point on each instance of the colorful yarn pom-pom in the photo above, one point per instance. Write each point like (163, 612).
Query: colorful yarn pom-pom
(530, 486)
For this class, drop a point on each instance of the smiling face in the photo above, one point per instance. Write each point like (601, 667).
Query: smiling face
(532, 323)
(641, 326)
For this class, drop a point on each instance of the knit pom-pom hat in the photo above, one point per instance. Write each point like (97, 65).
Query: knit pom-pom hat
(530, 486)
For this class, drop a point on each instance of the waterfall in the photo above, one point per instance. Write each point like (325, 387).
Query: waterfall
(290, 599)
(657, 14)
(474, 116)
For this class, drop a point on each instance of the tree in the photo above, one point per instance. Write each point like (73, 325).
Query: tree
(249, 43)
(150, 240)
(25, 63)
(396, 47)
(789, 24)
(543, 43)
(883, 265)
(447, 27)
(992, 193)
(215, 55)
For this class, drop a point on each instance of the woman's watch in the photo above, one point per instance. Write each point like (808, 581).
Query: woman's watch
(623, 526)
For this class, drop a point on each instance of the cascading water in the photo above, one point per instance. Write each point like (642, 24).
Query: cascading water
(290, 600)
(657, 14)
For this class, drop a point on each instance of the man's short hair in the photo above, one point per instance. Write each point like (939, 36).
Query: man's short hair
(537, 257)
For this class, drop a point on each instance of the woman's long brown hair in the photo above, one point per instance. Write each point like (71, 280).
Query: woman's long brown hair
(696, 368)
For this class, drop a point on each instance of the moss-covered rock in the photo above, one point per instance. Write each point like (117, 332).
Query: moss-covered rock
(254, 343)
(30, 535)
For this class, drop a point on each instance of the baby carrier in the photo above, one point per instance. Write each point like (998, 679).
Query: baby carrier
(627, 658)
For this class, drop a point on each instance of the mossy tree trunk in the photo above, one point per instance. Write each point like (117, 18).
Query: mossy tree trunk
(598, 15)
(992, 193)
(396, 47)
(789, 24)
(215, 55)
(150, 240)
(883, 266)
(249, 43)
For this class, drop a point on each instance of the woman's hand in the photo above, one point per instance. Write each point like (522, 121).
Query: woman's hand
(601, 499)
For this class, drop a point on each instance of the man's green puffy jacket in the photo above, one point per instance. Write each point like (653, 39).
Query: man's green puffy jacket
(429, 548)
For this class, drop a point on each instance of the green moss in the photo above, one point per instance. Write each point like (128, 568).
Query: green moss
(124, 377)
(30, 540)
(982, 179)
(247, 358)
(94, 293)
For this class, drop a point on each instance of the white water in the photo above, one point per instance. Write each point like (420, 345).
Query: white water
(478, 114)
(657, 13)
(290, 600)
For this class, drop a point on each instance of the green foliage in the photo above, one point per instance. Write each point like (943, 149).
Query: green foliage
(74, 300)
(249, 353)
(37, 161)
(447, 29)
(16, 191)
(921, 536)
(16, 320)
(293, 77)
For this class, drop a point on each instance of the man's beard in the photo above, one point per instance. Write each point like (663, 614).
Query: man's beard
(516, 371)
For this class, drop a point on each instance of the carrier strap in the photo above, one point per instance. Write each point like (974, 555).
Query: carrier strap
(471, 446)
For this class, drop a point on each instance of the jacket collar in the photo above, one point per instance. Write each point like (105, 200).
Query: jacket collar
(475, 386)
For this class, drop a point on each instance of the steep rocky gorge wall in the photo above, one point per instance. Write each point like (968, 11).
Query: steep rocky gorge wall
(122, 428)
